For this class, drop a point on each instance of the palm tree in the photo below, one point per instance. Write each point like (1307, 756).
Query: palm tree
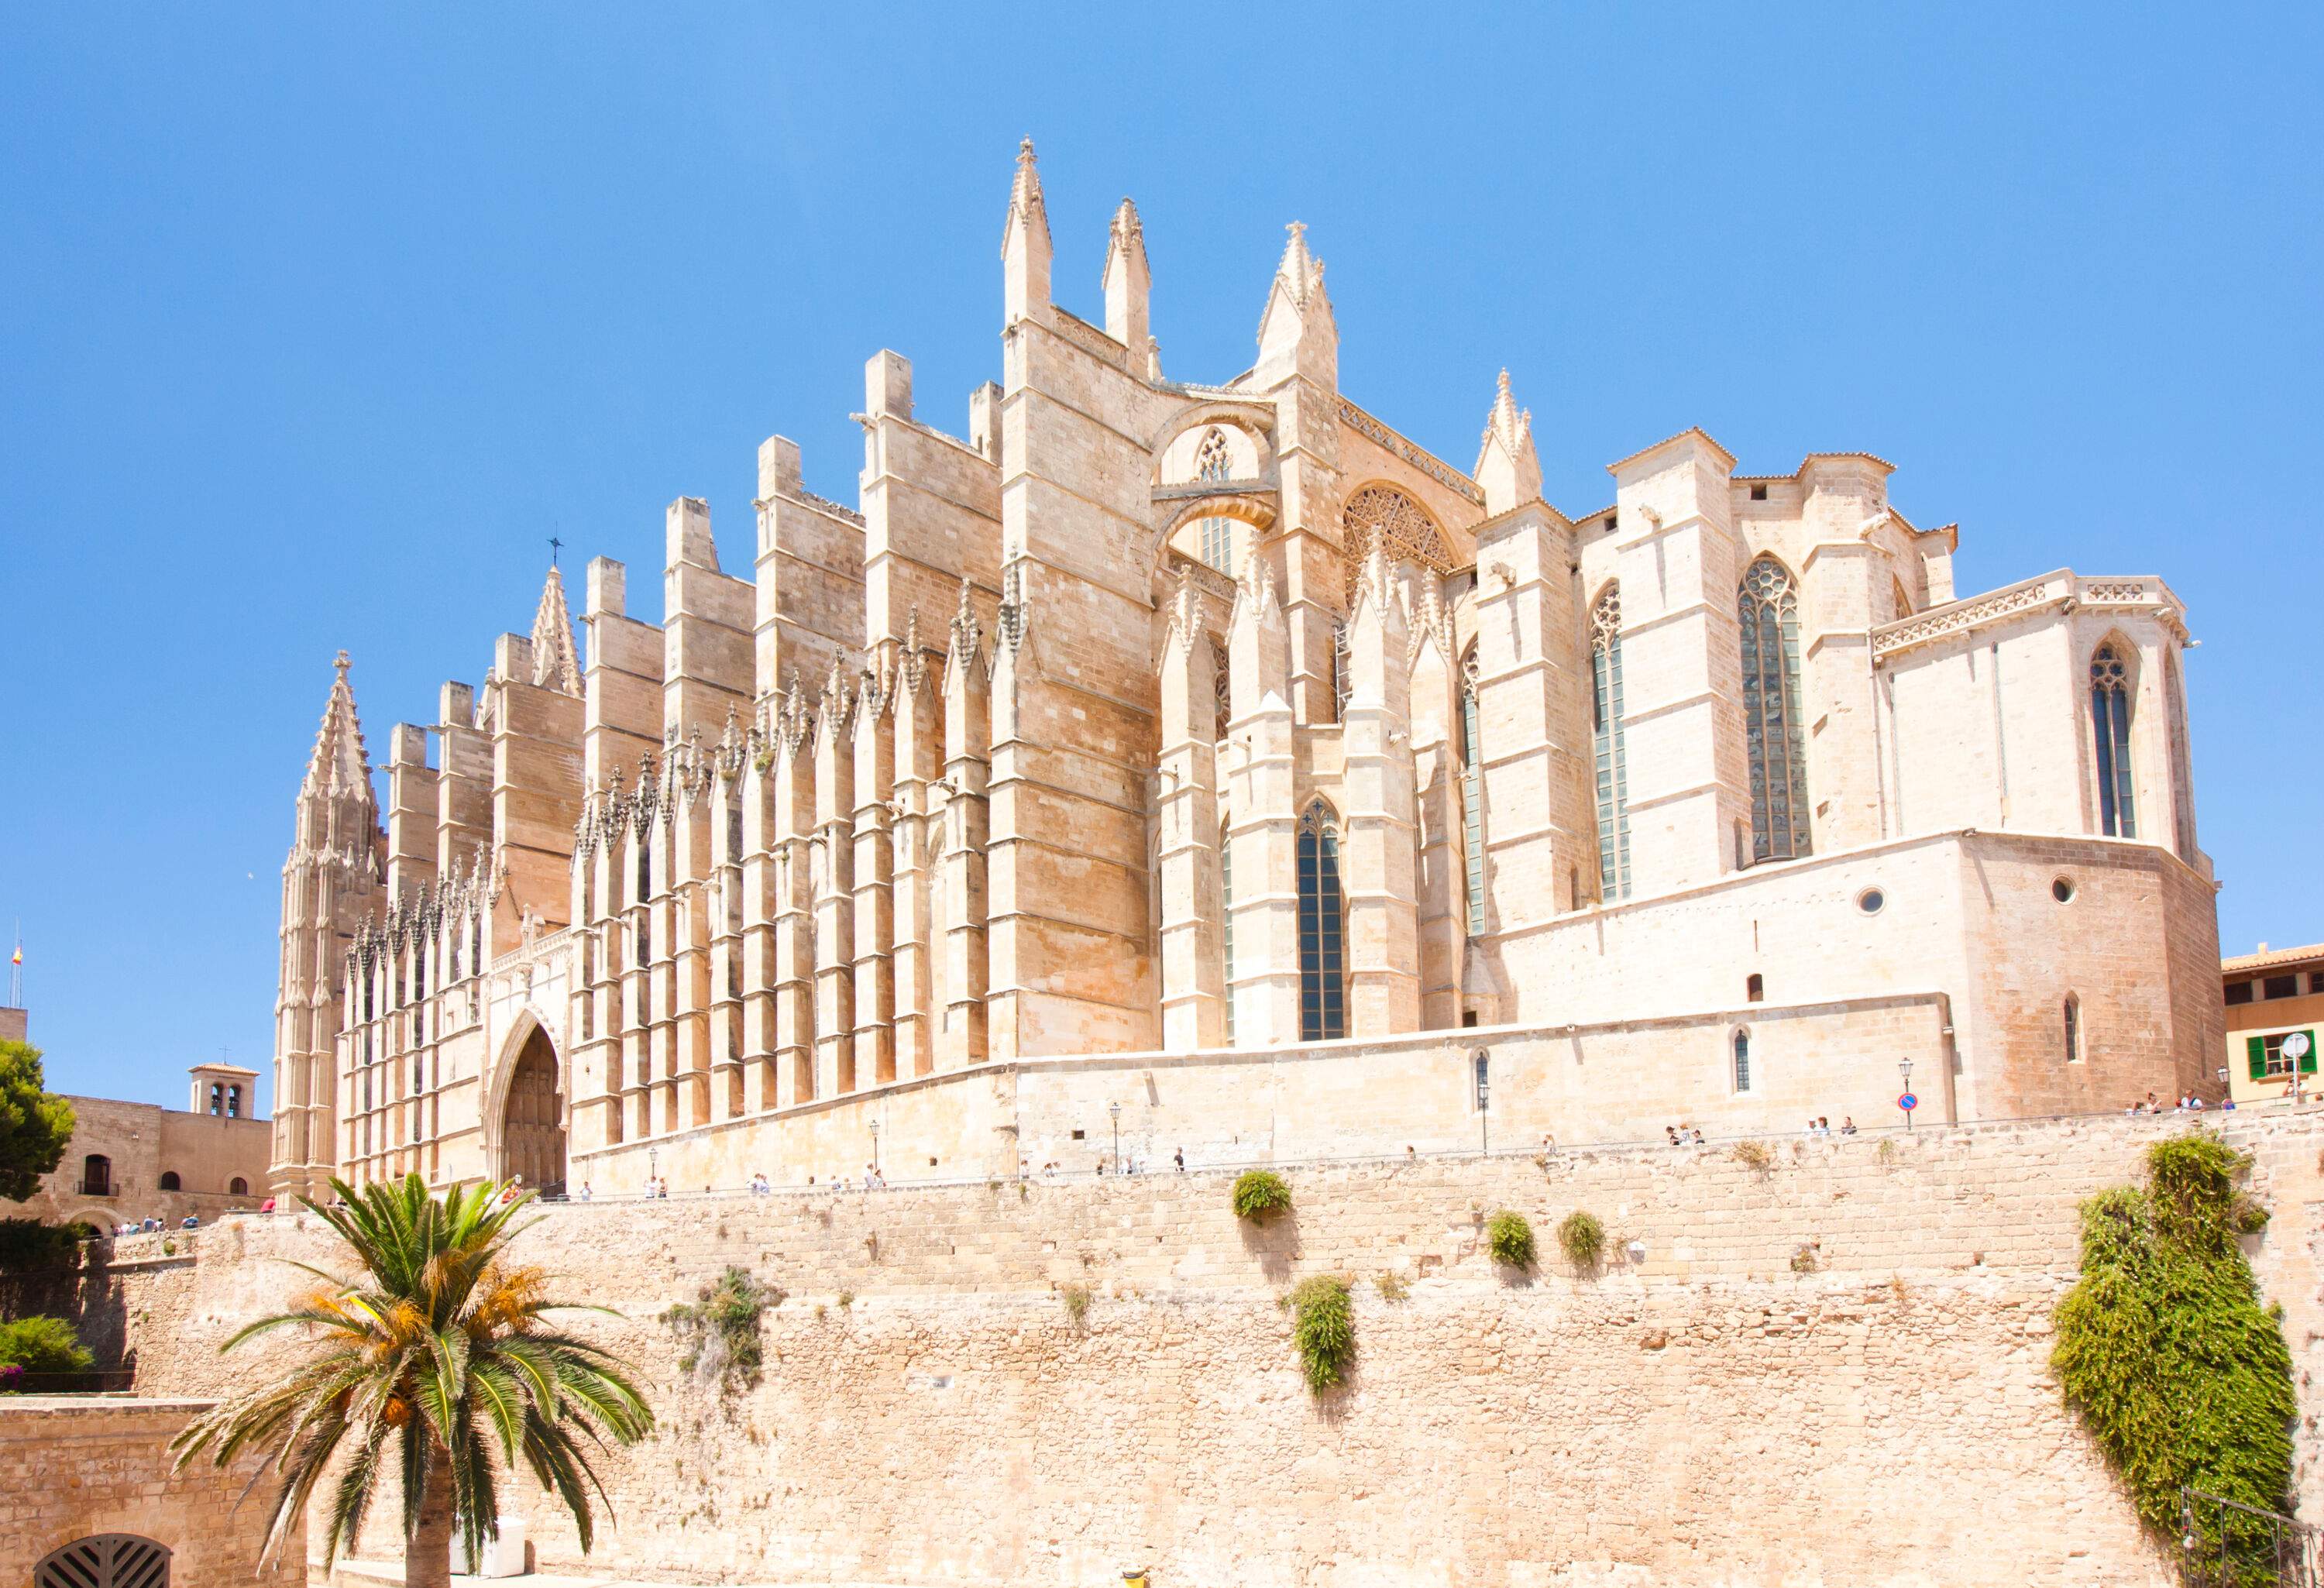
(434, 1361)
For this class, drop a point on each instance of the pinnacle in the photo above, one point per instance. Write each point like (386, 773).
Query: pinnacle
(555, 663)
(338, 764)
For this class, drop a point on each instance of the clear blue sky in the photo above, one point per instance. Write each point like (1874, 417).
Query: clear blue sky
(315, 322)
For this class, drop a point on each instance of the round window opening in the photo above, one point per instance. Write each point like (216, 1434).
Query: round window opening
(1871, 901)
(2062, 891)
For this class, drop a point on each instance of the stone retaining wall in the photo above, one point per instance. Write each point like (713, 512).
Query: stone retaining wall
(1828, 1369)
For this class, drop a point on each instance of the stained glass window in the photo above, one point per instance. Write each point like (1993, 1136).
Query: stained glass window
(1323, 992)
(1774, 742)
(2111, 721)
(1613, 774)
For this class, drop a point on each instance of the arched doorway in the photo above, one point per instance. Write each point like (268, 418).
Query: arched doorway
(108, 1560)
(533, 1117)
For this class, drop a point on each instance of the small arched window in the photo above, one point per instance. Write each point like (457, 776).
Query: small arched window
(233, 1103)
(217, 1099)
(1472, 796)
(96, 1176)
(1323, 992)
(168, 1181)
(1755, 987)
(2110, 725)
(237, 1186)
(1775, 740)
(1606, 717)
(2072, 1016)
(1740, 1051)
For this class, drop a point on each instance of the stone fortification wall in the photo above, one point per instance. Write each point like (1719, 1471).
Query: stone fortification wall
(1829, 1368)
(73, 1468)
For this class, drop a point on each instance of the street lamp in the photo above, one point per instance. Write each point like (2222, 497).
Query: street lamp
(875, 1147)
(1904, 1068)
(1115, 1110)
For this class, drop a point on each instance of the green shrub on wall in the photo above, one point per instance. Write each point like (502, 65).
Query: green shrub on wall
(2164, 1348)
(1583, 1238)
(1258, 1193)
(1510, 1240)
(720, 1328)
(1324, 1327)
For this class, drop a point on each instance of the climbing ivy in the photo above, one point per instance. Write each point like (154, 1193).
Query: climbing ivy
(2164, 1348)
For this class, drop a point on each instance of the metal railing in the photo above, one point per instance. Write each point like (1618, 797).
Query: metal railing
(2229, 1545)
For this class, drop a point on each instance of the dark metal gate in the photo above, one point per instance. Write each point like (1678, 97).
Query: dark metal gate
(107, 1560)
(2230, 1544)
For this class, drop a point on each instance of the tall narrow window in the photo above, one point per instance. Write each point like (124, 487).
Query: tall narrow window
(1226, 911)
(1322, 996)
(2110, 722)
(2073, 1028)
(1222, 690)
(1742, 1061)
(1213, 464)
(1472, 800)
(1613, 775)
(2183, 774)
(645, 867)
(1772, 738)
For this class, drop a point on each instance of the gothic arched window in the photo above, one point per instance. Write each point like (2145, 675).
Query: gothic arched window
(2110, 723)
(1613, 774)
(1773, 738)
(1214, 465)
(1226, 912)
(1323, 992)
(1742, 1056)
(1472, 796)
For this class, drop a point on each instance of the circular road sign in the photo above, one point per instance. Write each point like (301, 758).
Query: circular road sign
(1908, 1102)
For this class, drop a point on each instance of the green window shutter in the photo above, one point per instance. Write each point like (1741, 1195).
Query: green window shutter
(2308, 1060)
(2256, 1049)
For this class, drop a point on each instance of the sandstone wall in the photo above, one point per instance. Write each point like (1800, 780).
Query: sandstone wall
(1831, 1369)
(71, 1468)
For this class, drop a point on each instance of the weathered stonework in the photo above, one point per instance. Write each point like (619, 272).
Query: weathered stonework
(1709, 1413)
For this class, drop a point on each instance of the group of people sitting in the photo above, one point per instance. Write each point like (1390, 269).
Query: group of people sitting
(2188, 1102)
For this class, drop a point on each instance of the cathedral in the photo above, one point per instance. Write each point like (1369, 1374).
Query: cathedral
(1160, 766)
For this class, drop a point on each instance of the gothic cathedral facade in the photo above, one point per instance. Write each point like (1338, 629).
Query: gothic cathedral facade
(1218, 752)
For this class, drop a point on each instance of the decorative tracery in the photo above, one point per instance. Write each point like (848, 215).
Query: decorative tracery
(2110, 725)
(1612, 771)
(1381, 517)
(1775, 738)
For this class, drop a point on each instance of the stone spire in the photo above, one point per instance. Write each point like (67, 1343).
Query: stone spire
(555, 663)
(340, 764)
(1128, 283)
(1508, 466)
(1025, 243)
(1297, 333)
